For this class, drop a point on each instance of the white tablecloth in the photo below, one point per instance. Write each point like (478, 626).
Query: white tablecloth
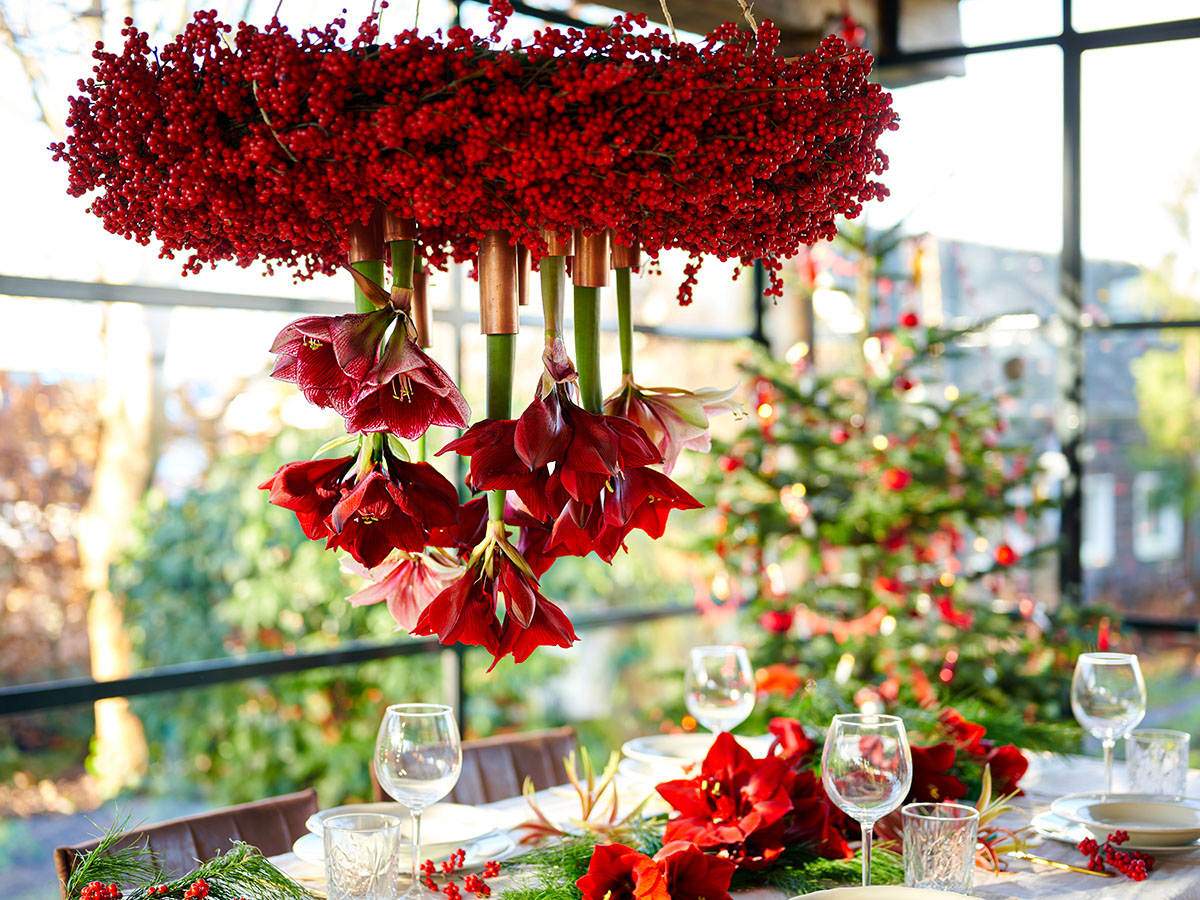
(1175, 877)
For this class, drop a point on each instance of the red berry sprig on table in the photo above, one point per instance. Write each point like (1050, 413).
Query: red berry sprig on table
(98, 890)
(1130, 863)
(472, 883)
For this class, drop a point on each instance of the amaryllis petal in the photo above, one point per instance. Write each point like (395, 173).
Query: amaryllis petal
(674, 419)
(406, 585)
(549, 627)
(540, 437)
(311, 490)
(692, 874)
(464, 613)
(617, 872)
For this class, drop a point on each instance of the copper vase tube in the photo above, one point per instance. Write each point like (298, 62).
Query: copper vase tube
(366, 241)
(591, 260)
(524, 273)
(398, 229)
(497, 284)
(626, 257)
(557, 245)
(421, 316)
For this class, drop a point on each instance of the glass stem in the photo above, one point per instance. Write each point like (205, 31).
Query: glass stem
(416, 847)
(1108, 745)
(868, 830)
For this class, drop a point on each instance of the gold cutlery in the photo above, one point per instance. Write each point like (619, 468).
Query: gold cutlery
(1041, 860)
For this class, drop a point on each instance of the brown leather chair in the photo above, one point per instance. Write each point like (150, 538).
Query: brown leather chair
(271, 825)
(494, 768)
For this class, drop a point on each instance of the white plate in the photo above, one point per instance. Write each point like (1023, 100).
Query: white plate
(1057, 828)
(311, 849)
(684, 749)
(882, 892)
(442, 823)
(1149, 818)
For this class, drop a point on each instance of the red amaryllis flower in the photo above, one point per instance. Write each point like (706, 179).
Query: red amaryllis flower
(407, 585)
(311, 490)
(1008, 765)
(692, 874)
(328, 357)
(466, 611)
(617, 872)
(382, 512)
(967, 735)
(791, 744)
(674, 419)
(736, 804)
(495, 465)
(406, 392)
(932, 781)
(814, 822)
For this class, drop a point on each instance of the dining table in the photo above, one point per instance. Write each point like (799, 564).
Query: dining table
(1175, 876)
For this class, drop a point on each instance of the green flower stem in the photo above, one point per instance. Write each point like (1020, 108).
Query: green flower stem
(420, 454)
(625, 319)
(501, 351)
(553, 272)
(373, 269)
(402, 263)
(587, 347)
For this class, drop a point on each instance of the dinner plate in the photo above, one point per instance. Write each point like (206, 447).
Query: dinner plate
(686, 748)
(311, 849)
(1150, 819)
(1053, 826)
(442, 823)
(882, 892)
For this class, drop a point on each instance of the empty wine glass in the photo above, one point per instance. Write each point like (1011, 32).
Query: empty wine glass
(1108, 697)
(866, 768)
(418, 757)
(719, 685)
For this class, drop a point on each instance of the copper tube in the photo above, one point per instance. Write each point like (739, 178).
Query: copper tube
(497, 284)
(397, 229)
(524, 273)
(556, 245)
(626, 257)
(591, 259)
(421, 316)
(366, 241)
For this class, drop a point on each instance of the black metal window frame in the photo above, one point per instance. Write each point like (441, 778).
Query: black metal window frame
(1069, 420)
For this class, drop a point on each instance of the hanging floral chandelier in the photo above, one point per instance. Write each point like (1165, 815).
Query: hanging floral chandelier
(572, 155)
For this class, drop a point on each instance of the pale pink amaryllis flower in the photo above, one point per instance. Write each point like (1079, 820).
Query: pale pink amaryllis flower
(674, 419)
(406, 584)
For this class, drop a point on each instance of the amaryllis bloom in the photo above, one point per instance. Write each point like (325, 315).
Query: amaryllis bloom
(617, 872)
(791, 743)
(736, 805)
(814, 822)
(466, 611)
(692, 874)
(381, 512)
(328, 357)
(407, 585)
(674, 419)
(311, 490)
(1008, 765)
(932, 779)
(967, 735)
(406, 392)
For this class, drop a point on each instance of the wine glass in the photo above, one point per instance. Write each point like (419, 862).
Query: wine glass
(719, 685)
(866, 768)
(1108, 697)
(418, 757)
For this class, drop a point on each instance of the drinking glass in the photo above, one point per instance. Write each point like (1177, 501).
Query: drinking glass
(1108, 698)
(418, 757)
(1157, 760)
(939, 846)
(360, 856)
(866, 768)
(720, 687)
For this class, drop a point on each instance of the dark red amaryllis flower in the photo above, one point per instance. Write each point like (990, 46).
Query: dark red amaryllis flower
(1008, 765)
(967, 735)
(791, 744)
(495, 464)
(466, 611)
(932, 780)
(381, 512)
(328, 357)
(692, 874)
(814, 822)
(407, 585)
(311, 490)
(736, 805)
(406, 392)
(617, 872)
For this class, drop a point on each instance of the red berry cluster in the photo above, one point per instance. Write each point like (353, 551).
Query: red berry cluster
(1130, 863)
(159, 890)
(98, 890)
(198, 889)
(473, 884)
(255, 143)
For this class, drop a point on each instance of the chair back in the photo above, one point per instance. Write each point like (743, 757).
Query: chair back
(495, 768)
(271, 825)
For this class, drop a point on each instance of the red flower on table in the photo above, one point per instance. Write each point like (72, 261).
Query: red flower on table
(692, 874)
(791, 743)
(679, 871)
(967, 735)
(815, 821)
(932, 780)
(1008, 765)
(311, 490)
(328, 357)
